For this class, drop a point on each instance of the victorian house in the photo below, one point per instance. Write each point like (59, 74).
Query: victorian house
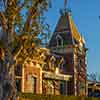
(93, 88)
(67, 42)
(41, 74)
(59, 69)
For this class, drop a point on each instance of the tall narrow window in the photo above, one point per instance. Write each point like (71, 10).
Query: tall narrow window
(33, 84)
(59, 40)
(18, 85)
(18, 70)
(32, 81)
(62, 88)
(52, 63)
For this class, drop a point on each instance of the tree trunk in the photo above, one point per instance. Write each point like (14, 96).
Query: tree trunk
(7, 78)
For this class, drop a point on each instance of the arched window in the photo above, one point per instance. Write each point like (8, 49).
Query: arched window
(52, 63)
(59, 41)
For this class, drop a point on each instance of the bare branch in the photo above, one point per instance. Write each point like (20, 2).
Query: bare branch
(32, 14)
(3, 21)
(18, 52)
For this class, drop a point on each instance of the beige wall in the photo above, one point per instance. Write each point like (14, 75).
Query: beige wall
(35, 72)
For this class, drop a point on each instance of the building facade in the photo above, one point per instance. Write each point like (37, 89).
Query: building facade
(93, 89)
(60, 69)
(66, 41)
(42, 75)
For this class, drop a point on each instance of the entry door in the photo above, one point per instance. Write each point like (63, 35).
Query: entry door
(33, 84)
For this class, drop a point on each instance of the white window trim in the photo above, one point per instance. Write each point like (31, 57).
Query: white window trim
(59, 37)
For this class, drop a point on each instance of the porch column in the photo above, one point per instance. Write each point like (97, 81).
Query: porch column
(40, 80)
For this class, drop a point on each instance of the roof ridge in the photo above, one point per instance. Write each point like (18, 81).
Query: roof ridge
(75, 33)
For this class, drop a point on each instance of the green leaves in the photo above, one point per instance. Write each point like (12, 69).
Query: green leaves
(29, 25)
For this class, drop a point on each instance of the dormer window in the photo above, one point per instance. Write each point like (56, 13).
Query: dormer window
(59, 40)
(52, 63)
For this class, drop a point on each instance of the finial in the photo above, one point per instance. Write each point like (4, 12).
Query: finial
(65, 9)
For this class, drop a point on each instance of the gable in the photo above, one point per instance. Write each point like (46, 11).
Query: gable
(67, 30)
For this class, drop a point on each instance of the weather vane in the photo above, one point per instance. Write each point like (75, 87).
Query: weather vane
(65, 9)
(65, 4)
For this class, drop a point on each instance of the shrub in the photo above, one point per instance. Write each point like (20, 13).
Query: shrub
(30, 96)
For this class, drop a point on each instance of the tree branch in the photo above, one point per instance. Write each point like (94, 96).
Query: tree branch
(3, 21)
(32, 14)
(18, 53)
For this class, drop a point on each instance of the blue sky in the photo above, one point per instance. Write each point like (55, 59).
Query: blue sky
(85, 15)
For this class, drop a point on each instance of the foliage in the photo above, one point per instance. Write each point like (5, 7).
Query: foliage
(94, 76)
(23, 24)
(20, 26)
(24, 17)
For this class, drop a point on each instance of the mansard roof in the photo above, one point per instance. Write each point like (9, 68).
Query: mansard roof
(75, 33)
(67, 29)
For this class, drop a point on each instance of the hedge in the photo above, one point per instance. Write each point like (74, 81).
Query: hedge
(29, 96)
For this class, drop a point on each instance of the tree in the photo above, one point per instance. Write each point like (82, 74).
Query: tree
(94, 76)
(20, 26)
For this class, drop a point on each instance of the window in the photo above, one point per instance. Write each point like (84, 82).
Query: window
(32, 81)
(62, 88)
(59, 40)
(50, 87)
(18, 85)
(52, 63)
(44, 86)
(18, 70)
